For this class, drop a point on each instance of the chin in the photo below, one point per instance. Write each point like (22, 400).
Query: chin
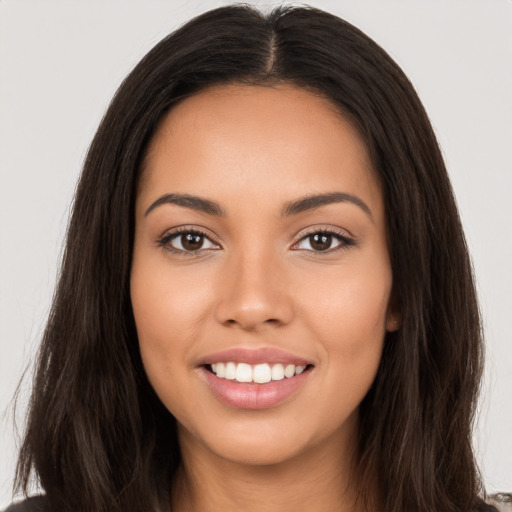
(247, 453)
(266, 441)
(248, 441)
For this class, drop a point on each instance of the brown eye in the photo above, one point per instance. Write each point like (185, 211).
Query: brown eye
(324, 241)
(191, 241)
(188, 241)
(320, 241)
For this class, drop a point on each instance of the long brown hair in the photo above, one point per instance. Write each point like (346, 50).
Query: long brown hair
(99, 439)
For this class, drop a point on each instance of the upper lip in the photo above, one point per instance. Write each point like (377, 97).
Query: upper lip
(254, 356)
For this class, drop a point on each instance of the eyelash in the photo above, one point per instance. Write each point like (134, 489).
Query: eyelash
(164, 242)
(345, 241)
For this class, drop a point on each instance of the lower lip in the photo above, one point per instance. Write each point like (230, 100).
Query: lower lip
(251, 395)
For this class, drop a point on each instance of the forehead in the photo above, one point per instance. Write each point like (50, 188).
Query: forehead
(239, 142)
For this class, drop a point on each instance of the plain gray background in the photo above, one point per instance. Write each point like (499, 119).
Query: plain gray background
(60, 63)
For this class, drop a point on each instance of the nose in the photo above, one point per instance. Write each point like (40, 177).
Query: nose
(254, 294)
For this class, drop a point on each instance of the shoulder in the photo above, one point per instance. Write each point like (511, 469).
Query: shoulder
(33, 504)
(500, 502)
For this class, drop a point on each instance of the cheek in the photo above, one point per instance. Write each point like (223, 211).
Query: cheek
(347, 314)
(169, 310)
(167, 305)
(349, 306)
(354, 319)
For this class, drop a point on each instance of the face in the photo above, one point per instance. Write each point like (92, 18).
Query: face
(261, 278)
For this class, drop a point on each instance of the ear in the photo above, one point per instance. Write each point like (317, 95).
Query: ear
(393, 322)
(393, 315)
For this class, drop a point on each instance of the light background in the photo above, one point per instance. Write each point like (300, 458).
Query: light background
(60, 63)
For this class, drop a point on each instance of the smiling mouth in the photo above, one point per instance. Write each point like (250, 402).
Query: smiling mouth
(258, 373)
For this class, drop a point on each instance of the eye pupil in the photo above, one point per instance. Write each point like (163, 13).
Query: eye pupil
(321, 241)
(191, 241)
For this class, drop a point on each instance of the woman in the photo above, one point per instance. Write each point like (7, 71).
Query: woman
(266, 301)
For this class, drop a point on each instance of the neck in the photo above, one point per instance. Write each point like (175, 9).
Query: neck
(320, 479)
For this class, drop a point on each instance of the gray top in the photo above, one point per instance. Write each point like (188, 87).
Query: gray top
(34, 504)
(497, 503)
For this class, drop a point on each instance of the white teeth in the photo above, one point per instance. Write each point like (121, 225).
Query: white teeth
(260, 373)
(230, 371)
(277, 372)
(243, 373)
(220, 369)
(289, 371)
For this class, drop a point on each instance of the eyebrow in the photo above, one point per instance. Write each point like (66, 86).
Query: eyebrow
(316, 201)
(292, 208)
(193, 202)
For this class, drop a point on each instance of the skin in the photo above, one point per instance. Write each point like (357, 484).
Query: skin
(260, 282)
